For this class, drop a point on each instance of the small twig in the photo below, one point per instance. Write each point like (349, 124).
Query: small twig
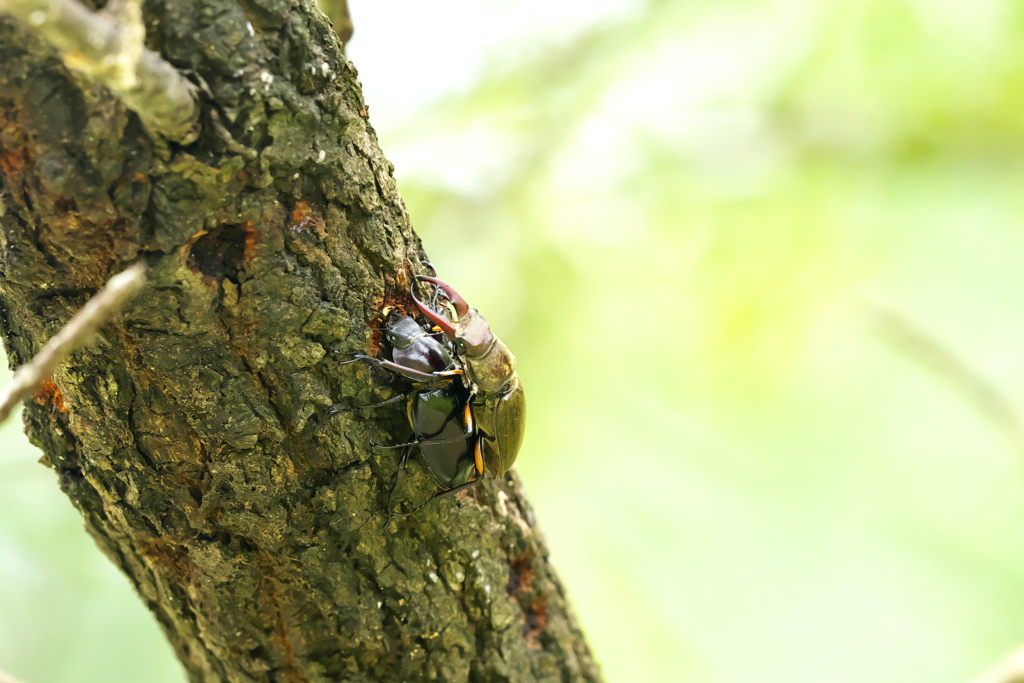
(941, 360)
(6, 678)
(108, 47)
(77, 332)
(225, 135)
(1009, 670)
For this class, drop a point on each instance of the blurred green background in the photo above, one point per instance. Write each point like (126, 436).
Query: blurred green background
(762, 263)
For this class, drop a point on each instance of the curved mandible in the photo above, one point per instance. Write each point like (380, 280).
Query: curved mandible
(433, 315)
(461, 307)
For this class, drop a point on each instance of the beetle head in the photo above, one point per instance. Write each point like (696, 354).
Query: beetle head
(469, 327)
(402, 331)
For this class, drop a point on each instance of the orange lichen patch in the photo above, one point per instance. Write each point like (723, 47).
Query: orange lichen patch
(376, 324)
(186, 248)
(521, 575)
(521, 579)
(537, 619)
(12, 161)
(191, 480)
(60, 226)
(398, 302)
(170, 557)
(252, 238)
(49, 394)
(301, 215)
(376, 336)
(271, 588)
(305, 218)
(400, 288)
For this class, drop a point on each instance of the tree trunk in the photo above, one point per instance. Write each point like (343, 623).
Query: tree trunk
(194, 433)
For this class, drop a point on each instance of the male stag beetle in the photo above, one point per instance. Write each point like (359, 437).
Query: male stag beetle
(497, 399)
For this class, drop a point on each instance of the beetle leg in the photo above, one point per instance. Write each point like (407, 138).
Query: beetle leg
(398, 478)
(421, 441)
(468, 424)
(410, 373)
(436, 496)
(416, 375)
(447, 374)
(358, 358)
(342, 409)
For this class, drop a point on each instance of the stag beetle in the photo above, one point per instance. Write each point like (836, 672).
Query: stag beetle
(466, 412)
(438, 407)
(497, 399)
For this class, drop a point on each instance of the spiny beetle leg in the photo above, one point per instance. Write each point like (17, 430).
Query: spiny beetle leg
(356, 359)
(437, 496)
(398, 478)
(410, 373)
(456, 439)
(342, 409)
(415, 375)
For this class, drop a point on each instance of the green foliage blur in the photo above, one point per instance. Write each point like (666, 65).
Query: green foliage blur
(761, 264)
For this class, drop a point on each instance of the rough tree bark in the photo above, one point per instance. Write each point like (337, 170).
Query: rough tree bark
(194, 433)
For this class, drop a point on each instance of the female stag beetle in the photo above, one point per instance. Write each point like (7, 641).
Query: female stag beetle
(497, 399)
(437, 408)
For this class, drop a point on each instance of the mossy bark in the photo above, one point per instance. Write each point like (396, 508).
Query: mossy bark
(194, 434)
